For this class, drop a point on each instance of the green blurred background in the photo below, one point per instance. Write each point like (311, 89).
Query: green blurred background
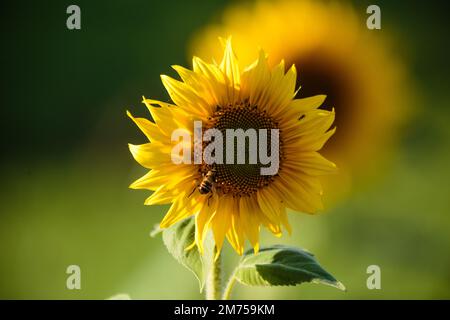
(65, 166)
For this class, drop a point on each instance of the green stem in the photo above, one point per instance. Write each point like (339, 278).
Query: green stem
(213, 282)
(229, 287)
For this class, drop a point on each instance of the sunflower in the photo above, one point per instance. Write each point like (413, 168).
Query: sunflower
(228, 96)
(336, 54)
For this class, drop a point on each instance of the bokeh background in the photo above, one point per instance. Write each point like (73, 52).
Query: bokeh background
(65, 166)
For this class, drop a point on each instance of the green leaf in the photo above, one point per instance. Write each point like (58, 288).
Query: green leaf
(282, 266)
(177, 238)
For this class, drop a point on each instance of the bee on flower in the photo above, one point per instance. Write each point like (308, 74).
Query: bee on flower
(234, 198)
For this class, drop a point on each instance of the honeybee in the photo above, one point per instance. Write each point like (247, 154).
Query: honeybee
(208, 181)
(207, 184)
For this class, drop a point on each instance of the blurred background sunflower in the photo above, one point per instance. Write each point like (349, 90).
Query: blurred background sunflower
(336, 55)
(65, 165)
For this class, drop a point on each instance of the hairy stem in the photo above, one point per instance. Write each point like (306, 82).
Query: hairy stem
(214, 280)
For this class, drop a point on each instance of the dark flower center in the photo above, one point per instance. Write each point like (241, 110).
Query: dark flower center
(246, 178)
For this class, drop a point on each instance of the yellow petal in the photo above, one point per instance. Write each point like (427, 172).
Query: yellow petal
(181, 208)
(285, 221)
(185, 97)
(221, 221)
(313, 163)
(270, 206)
(308, 143)
(160, 196)
(150, 130)
(203, 220)
(200, 84)
(255, 79)
(168, 193)
(295, 196)
(150, 181)
(250, 221)
(312, 123)
(230, 68)
(300, 106)
(214, 76)
(235, 234)
(168, 175)
(162, 115)
(150, 155)
(284, 92)
(290, 167)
